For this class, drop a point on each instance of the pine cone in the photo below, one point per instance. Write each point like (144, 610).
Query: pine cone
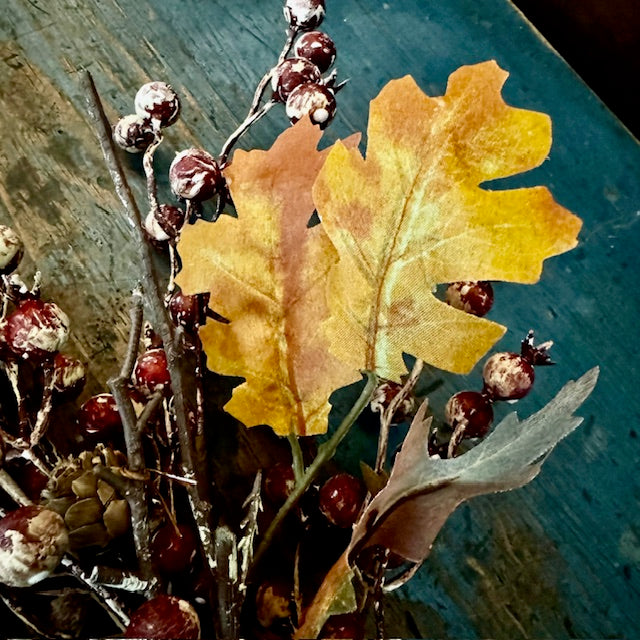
(92, 509)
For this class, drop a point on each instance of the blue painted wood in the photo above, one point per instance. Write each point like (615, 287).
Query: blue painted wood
(559, 558)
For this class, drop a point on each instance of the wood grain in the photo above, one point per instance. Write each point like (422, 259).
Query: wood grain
(560, 558)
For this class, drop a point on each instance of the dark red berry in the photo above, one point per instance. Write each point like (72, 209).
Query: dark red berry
(345, 625)
(507, 376)
(313, 100)
(304, 14)
(99, 417)
(174, 550)
(151, 373)
(195, 175)
(318, 48)
(133, 133)
(36, 329)
(385, 393)
(28, 477)
(279, 482)
(69, 373)
(471, 411)
(11, 250)
(290, 74)
(157, 101)
(473, 297)
(341, 498)
(32, 542)
(165, 223)
(162, 618)
(273, 602)
(186, 311)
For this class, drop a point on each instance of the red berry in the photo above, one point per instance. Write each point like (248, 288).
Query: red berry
(36, 329)
(279, 482)
(158, 101)
(28, 477)
(473, 297)
(151, 373)
(174, 550)
(99, 417)
(11, 250)
(304, 14)
(507, 376)
(313, 100)
(472, 411)
(290, 74)
(70, 375)
(195, 175)
(341, 498)
(32, 542)
(344, 625)
(186, 310)
(384, 394)
(164, 617)
(318, 48)
(133, 133)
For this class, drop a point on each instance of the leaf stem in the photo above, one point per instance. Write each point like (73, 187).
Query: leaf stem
(325, 452)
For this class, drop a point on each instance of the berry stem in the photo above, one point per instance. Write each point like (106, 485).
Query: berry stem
(325, 452)
(11, 370)
(296, 456)
(44, 413)
(12, 489)
(147, 163)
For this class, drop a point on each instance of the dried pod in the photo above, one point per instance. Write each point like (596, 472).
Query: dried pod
(158, 101)
(133, 133)
(32, 542)
(164, 617)
(11, 250)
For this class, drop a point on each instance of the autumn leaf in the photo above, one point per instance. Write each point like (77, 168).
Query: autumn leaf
(266, 271)
(414, 213)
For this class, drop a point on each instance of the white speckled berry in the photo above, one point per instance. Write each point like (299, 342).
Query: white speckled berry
(69, 374)
(507, 376)
(133, 133)
(194, 175)
(32, 542)
(158, 101)
(317, 47)
(313, 100)
(11, 249)
(304, 14)
(291, 73)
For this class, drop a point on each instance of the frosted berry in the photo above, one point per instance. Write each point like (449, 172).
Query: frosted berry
(318, 48)
(170, 219)
(195, 175)
(507, 376)
(279, 482)
(290, 74)
(174, 550)
(164, 617)
(186, 310)
(341, 498)
(69, 374)
(157, 101)
(32, 542)
(99, 417)
(151, 373)
(36, 329)
(470, 410)
(304, 14)
(473, 297)
(133, 133)
(385, 392)
(313, 100)
(11, 250)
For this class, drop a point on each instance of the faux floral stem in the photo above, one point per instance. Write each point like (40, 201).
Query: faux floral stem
(296, 457)
(325, 452)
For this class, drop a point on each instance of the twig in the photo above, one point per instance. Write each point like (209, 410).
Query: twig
(147, 163)
(12, 489)
(249, 528)
(11, 370)
(44, 413)
(227, 584)
(325, 452)
(296, 457)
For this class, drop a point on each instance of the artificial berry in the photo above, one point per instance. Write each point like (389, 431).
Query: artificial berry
(279, 482)
(69, 375)
(174, 548)
(186, 310)
(471, 411)
(273, 603)
(151, 372)
(133, 133)
(195, 175)
(507, 376)
(165, 223)
(313, 100)
(383, 395)
(341, 498)
(157, 101)
(304, 14)
(36, 329)
(318, 48)
(344, 625)
(32, 542)
(164, 617)
(290, 74)
(11, 250)
(473, 297)
(99, 417)
(28, 477)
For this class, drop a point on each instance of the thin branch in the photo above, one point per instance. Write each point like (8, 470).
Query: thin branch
(12, 489)
(44, 413)
(296, 456)
(147, 163)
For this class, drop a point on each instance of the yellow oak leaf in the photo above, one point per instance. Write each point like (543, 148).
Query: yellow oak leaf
(413, 214)
(266, 271)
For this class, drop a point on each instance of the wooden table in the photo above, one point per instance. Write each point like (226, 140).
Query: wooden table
(559, 558)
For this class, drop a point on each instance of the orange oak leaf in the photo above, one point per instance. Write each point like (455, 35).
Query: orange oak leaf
(414, 214)
(266, 271)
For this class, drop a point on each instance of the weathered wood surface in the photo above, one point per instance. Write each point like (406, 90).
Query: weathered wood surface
(559, 558)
